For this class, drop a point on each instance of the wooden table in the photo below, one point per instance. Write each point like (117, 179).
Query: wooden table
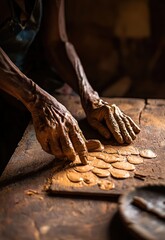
(28, 212)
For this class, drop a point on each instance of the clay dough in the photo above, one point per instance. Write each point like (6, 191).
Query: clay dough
(118, 173)
(101, 172)
(124, 166)
(135, 159)
(106, 184)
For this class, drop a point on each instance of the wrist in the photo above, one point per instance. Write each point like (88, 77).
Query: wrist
(91, 101)
(32, 94)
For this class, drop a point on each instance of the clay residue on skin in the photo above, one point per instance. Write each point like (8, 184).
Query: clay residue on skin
(102, 167)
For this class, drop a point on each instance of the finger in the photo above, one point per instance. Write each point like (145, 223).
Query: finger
(104, 131)
(121, 123)
(133, 124)
(53, 147)
(113, 126)
(128, 126)
(94, 145)
(119, 116)
(67, 146)
(43, 140)
(83, 158)
(78, 141)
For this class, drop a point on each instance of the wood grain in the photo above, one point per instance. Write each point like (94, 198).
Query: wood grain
(41, 216)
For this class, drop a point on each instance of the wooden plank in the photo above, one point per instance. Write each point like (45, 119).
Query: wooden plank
(27, 212)
(28, 158)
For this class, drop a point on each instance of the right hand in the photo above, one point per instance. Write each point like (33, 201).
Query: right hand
(109, 119)
(58, 132)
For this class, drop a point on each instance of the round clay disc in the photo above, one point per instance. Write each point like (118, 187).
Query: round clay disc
(141, 223)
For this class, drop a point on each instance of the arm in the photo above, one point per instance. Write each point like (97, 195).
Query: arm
(62, 55)
(56, 130)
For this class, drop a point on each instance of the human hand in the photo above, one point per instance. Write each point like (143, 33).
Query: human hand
(109, 119)
(58, 132)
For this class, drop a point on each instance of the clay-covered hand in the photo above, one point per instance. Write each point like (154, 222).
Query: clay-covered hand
(58, 132)
(109, 119)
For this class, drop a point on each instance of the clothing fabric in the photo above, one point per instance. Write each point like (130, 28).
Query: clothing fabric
(17, 37)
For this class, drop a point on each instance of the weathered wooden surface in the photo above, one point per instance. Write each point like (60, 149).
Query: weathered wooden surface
(27, 212)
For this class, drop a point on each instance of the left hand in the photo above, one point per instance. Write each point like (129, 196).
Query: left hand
(109, 119)
(58, 131)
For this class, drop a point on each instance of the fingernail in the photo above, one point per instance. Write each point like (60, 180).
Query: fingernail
(121, 140)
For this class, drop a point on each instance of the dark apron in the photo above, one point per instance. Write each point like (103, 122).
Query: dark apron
(15, 38)
(18, 42)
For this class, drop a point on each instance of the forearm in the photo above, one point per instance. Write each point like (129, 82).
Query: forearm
(15, 83)
(56, 130)
(62, 55)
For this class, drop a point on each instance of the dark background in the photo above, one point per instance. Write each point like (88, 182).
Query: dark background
(121, 45)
